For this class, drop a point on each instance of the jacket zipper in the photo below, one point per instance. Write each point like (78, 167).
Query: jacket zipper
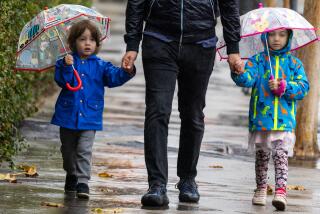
(214, 14)
(181, 26)
(276, 99)
(152, 3)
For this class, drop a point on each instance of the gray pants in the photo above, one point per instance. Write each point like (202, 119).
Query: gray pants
(76, 152)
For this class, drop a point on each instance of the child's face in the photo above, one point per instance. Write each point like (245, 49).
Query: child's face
(86, 44)
(278, 39)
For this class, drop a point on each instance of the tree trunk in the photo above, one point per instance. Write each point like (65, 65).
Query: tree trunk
(286, 3)
(270, 3)
(307, 115)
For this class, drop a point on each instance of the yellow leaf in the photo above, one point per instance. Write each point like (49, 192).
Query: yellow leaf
(2, 177)
(97, 210)
(107, 190)
(105, 175)
(216, 166)
(296, 187)
(30, 171)
(50, 204)
(269, 190)
(8, 177)
(107, 211)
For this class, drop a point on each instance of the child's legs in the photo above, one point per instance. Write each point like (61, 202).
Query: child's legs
(84, 155)
(280, 159)
(69, 139)
(261, 166)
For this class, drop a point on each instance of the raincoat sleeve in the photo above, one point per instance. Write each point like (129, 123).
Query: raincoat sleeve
(114, 76)
(63, 73)
(230, 18)
(248, 78)
(298, 87)
(134, 24)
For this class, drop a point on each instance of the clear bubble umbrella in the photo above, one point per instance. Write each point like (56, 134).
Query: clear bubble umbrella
(42, 40)
(266, 19)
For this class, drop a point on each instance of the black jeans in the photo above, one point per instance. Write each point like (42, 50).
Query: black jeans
(164, 63)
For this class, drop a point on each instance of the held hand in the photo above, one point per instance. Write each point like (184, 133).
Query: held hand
(128, 61)
(235, 63)
(68, 59)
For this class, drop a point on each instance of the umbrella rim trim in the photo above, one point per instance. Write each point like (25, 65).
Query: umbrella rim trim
(273, 29)
(44, 29)
(245, 58)
(33, 69)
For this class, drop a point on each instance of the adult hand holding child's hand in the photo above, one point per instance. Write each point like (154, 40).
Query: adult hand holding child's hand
(235, 63)
(128, 61)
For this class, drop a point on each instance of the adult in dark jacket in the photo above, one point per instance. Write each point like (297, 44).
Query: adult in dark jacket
(178, 44)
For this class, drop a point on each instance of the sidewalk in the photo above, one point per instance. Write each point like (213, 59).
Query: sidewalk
(118, 150)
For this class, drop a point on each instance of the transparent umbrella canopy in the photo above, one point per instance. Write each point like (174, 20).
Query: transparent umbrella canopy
(42, 40)
(266, 19)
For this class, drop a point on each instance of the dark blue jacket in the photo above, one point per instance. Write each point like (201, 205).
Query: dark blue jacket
(82, 110)
(187, 21)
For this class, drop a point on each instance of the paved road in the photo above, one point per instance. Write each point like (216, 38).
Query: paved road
(118, 150)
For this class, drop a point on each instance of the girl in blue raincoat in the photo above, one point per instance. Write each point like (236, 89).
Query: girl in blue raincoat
(273, 104)
(79, 114)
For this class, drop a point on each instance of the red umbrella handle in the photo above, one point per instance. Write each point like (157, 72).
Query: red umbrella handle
(69, 87)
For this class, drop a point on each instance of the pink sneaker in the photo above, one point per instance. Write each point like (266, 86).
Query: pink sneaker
(280, 199)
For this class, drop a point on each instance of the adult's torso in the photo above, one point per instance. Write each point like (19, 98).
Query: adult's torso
(190, 20)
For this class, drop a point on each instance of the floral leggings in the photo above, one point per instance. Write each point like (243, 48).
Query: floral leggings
(280, 159)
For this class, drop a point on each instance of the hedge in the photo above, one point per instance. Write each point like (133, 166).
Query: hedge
(19, 91)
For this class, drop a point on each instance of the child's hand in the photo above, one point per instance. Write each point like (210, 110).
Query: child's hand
(128, 60)
(129, 70)
(68, 59)
(274, 84)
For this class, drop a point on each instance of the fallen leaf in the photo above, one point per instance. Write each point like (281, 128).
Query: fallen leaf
(269, 190)
(30, 171)
(8, 177)
(51, 204)
(2, 177)
(107, 211)
(216, 166)
(105, 175)
(116, 164)
(106, 190)
(97, 210)
(296, 187)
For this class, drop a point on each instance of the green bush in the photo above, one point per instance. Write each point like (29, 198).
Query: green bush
(19, 91)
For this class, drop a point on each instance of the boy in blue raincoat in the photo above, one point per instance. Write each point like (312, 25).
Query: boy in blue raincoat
(273, 104)
(79, 114)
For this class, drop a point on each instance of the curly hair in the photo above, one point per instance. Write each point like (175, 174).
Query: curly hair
(77, 30)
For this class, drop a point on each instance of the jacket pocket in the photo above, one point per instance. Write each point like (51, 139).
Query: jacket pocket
(64, 109)
(65, 103)
(94, 110)
(95, 104)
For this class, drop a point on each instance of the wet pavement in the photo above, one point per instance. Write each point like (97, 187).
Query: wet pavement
(118, 150)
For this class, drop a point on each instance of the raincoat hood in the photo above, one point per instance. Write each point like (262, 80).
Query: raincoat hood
(284, 50)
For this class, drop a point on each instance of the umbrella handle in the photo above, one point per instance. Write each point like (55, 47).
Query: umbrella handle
(69, 87)
(271, 77)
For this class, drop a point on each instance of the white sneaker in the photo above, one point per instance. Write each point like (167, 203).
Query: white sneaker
(279, 201)
(260, 197)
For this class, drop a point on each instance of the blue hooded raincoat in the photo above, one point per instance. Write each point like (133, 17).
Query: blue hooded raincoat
(268, 112)
(82, 110)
